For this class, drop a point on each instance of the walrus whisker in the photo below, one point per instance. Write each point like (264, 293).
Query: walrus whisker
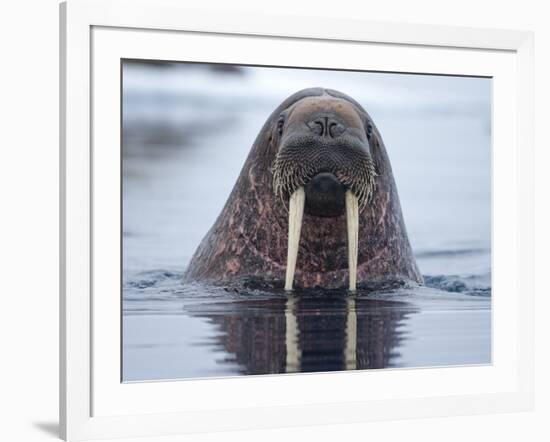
(352, 218)
(295, 215)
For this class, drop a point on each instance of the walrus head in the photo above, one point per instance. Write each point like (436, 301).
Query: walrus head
(323, 165)
(315, 205)
(324, 148)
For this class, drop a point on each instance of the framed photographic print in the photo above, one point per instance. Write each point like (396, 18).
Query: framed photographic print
(282, 221)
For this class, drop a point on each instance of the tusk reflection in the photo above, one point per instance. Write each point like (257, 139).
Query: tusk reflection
(350, 350)
(293, 353)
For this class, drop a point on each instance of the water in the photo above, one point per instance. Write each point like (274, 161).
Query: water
(187, 131)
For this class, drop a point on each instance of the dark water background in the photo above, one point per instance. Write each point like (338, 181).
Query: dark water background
(186, 132)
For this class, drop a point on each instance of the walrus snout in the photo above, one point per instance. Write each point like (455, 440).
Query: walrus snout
(325, 196)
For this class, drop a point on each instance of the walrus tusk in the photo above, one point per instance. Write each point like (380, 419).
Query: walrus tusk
(352, 218)
(295, 215)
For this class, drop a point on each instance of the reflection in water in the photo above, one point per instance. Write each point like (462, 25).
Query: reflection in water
(350, 353)
(308, 333)
(293, 353)
(175, 331)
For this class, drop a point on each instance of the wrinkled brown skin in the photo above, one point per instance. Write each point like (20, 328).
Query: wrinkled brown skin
(247, 245)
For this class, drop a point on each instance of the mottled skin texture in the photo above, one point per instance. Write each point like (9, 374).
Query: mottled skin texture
(247, 245)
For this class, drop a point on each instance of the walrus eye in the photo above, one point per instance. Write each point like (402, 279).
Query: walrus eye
(369, 130)
(280, 125)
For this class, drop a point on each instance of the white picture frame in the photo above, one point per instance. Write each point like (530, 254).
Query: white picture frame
(95, 34)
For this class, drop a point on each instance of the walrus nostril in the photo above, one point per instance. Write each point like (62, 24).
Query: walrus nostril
(326, 127)
(318, 128)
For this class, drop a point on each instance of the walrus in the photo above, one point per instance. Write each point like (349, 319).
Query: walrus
(315, 206)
